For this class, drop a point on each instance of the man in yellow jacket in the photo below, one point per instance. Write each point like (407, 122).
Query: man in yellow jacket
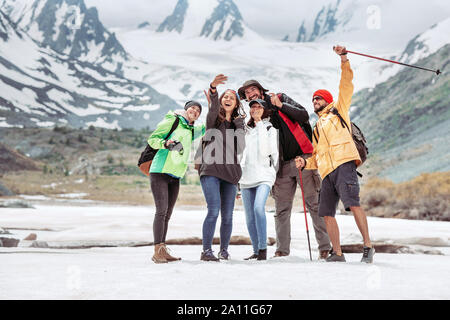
(336, 157)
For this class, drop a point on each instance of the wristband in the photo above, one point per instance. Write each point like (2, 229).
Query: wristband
(343, 54)
(214, 88)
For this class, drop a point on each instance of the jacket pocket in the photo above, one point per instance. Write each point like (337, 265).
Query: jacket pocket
(317, 180)
(341, 149)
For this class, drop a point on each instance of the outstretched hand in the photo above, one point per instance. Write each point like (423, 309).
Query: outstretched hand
(341, 51)
(219, 79)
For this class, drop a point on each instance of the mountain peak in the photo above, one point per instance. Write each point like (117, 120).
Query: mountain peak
(68, 27)
(224, 23)
(213, 19)
(176, 20)
(327, 20)
(427, 42)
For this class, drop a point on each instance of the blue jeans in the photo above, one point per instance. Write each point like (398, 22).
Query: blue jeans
(255, 213)
(220, 196)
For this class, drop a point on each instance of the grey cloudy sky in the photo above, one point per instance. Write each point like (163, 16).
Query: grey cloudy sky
(272, 18)
(256, 13)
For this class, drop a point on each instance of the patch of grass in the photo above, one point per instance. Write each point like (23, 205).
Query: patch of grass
(426, 197)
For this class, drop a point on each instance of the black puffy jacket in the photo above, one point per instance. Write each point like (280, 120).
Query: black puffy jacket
(289, 147)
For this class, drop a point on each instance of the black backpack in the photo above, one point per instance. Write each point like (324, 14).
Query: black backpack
(146, 158)
(357, 135)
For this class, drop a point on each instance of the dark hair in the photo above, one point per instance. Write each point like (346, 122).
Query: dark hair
(237, 112)
(266, 114)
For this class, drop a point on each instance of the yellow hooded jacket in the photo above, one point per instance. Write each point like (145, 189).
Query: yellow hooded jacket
(335, 146)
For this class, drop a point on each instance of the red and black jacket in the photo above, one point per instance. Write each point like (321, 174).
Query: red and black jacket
(295, 132)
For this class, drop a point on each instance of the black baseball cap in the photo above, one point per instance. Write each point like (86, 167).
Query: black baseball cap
(259, 101)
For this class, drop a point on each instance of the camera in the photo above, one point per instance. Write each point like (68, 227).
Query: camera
(176, 146)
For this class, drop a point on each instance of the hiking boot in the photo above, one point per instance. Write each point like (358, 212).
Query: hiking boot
(280, 254)
(252, 257)
(262, 254)
(208, 255)
(159, 256)
(335, 258)
(167, 255)
(223, 254)
(368, 255)
(323, 255)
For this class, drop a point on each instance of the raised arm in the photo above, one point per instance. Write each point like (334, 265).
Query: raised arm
(213, 97)
(345, 86)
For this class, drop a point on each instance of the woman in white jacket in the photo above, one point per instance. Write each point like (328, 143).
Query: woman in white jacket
(259, 163)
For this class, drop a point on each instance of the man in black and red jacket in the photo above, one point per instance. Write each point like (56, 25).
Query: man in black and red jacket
(295, 136)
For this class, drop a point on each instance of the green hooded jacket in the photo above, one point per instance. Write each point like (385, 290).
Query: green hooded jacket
(173, 162)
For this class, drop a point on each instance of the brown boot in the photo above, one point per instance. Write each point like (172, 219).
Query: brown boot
(159, 256)
(280, 254)
(166, 254)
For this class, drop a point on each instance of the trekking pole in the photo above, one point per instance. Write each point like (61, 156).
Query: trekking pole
(304, 210)
(438, 72)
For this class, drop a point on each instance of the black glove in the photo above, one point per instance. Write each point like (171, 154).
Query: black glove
(239, 122)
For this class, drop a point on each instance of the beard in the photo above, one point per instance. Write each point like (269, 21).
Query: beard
(320, 108)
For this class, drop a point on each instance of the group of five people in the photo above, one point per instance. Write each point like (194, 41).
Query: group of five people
(270, 154)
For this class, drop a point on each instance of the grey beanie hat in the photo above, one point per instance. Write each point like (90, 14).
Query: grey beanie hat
(192, 103)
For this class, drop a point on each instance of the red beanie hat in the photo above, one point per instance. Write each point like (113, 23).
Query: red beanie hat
(326, 95)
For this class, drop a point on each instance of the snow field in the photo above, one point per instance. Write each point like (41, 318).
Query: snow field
(129, 273)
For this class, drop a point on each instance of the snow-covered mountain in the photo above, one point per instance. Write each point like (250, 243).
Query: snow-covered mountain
(334, 17)
(42, 87)
(69, 28)
(181, 58)
(427, 42)
(421, 46)
(368, 24)
(331, 18)
(213, 19)
(183, 67)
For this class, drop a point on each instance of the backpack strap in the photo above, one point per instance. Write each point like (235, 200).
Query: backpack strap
(343, 123)
(336, 112)
(271, 162)
(298, 133)
(314, 133)
(173, 128)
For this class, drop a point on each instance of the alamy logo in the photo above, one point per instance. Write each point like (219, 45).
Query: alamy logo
(374, 17)
(73, 280)
(74, 20)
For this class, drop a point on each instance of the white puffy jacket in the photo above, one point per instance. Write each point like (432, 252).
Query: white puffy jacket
(260, 159)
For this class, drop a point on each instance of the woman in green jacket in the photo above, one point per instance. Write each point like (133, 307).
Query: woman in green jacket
(168, 166)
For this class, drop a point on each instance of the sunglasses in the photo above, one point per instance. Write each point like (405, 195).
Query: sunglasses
(317, 98)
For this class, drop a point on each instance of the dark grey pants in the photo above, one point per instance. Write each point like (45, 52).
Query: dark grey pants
(165, 191)
(284, 191)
